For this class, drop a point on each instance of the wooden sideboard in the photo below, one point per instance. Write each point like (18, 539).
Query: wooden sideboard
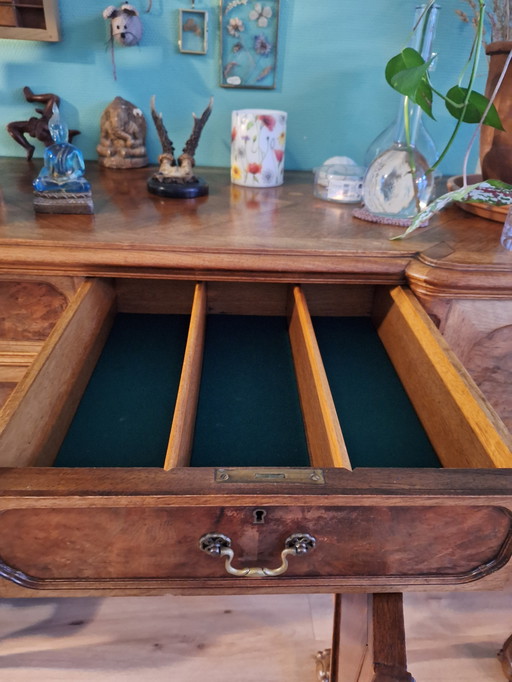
(300, 518)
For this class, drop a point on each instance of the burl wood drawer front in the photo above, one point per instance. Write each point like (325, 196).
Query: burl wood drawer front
(112, 545)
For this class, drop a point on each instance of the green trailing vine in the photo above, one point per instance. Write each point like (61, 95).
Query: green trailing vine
(409, 74)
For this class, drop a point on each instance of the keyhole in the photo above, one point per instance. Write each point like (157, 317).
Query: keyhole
(259, 515)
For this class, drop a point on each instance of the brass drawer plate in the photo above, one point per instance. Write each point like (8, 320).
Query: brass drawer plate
(269, 475)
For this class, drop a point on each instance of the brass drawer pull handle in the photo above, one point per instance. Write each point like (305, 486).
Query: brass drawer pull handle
(218, 545)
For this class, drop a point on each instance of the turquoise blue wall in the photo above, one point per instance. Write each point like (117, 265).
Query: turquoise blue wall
(330, 76)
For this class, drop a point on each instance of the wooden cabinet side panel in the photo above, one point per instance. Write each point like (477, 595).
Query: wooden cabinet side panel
(35, 418)
(462, 427)
(480, 333)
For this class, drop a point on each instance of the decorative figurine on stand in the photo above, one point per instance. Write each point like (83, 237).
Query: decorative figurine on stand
(123, 136)
(36, 127)
(176, 178)
(61, 186)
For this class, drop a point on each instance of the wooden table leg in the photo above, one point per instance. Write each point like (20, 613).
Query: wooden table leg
(368, 640)
(505, 657)
(389, 652)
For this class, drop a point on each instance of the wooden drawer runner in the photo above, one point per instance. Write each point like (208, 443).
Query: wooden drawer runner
(65, 529)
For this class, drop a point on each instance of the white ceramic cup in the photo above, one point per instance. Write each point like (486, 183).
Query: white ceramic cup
(258, 139)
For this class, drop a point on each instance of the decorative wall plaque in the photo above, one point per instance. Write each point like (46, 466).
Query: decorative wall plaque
(249, 32)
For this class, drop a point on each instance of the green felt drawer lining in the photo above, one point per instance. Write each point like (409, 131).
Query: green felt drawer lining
(125, 414)
(379, 424)
(249, 410)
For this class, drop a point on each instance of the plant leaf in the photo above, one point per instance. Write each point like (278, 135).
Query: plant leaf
(406, 59)
(492, 192)
(455, 195)
(407, 73)
(477, 104)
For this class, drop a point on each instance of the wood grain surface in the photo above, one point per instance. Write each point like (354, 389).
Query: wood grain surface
(29, 310)
(403, 530)
(134, 543)
(457, 418)
(274, 234)
(480, 333)
(35, 418)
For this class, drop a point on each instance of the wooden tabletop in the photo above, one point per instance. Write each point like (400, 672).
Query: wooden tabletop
(278, 234)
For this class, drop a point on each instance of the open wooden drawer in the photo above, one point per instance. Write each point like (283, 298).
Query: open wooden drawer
(212, 447)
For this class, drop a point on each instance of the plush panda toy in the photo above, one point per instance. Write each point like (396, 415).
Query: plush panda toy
(125, 24)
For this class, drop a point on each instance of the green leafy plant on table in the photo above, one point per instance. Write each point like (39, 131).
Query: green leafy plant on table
(409, 74)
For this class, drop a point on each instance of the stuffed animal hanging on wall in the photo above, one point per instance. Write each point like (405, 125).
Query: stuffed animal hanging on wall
(125, 24)
(125, 27)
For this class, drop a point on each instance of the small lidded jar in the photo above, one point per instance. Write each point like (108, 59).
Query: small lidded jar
(339, 179)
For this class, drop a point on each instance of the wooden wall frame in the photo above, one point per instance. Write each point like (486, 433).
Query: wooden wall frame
(29, 20)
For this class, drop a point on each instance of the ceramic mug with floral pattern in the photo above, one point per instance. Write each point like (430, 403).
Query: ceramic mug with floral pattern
(258, 139)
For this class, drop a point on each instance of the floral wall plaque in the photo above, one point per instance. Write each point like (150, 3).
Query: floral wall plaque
(249, 32)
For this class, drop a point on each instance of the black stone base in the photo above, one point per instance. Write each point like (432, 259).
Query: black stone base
(177, 190)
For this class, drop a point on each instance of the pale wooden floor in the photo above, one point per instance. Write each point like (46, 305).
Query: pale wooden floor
(451, 637)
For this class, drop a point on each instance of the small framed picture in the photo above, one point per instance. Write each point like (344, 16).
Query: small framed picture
(249, 32)
(193, 37)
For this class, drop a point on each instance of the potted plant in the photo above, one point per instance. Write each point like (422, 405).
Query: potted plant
(409, 74)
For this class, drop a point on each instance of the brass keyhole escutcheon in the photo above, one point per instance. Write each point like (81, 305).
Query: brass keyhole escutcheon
(258, 516)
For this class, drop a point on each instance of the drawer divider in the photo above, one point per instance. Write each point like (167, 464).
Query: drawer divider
(323, 432)
(182, 429)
